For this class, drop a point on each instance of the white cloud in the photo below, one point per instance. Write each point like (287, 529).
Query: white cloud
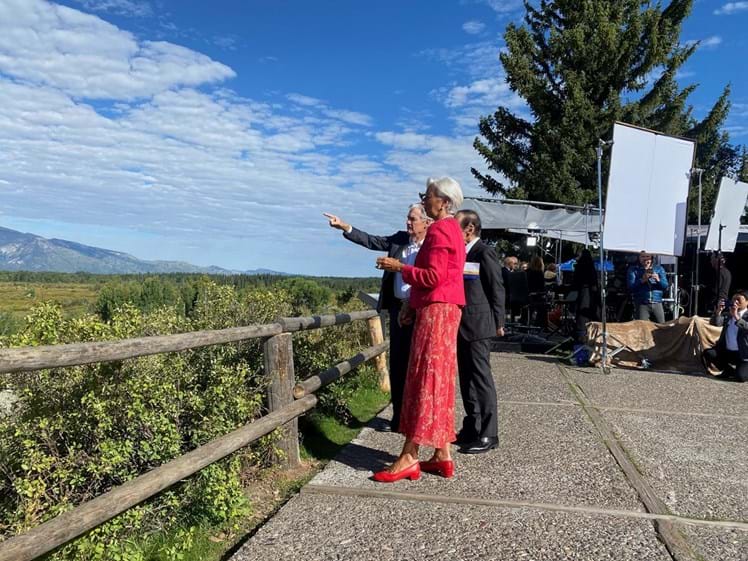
(491, 92)
(135, 8)
(180, 168)
(712, 41)
(478, 60)
(739, 109)
(86, 57)
(505, 6)
(228, 42)
(473, 27)
(420, 156)
(708, 43)
(305, 100)
(737, 131)
(347, 116)
(731, 8)
(737, 124)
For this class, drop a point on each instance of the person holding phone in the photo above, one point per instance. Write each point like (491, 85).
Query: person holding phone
(646, 282)
(730, 355)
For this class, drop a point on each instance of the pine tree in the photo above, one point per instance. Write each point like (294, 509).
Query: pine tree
(580, 65)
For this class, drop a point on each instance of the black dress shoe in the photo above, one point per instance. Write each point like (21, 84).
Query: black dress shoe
(481, 445)
(463, 439)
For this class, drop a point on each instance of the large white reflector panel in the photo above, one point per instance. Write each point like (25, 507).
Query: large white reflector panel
(647, 191)
(728, 210)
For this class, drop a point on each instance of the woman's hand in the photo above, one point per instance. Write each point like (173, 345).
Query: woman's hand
(389, 264)
(407, 315)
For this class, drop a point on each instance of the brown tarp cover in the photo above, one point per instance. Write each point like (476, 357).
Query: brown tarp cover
(676, 345)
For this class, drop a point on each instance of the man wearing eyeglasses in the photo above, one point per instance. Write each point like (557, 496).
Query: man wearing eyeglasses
(394, 292)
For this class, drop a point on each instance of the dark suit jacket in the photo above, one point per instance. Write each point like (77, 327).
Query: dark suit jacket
(394, 246)
(721, 321)
(484, 297)
(505, 280)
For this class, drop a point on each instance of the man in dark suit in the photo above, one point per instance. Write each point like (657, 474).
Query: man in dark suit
(731, 352)
(394, 293)
(482, 318)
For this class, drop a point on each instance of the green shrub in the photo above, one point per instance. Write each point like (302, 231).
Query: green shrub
(77, 432)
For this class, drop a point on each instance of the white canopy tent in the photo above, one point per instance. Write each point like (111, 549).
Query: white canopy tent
(567, 223)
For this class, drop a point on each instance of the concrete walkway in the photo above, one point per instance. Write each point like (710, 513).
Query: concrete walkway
(633, 465)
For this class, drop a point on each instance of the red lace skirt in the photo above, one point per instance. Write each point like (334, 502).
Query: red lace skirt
(429, 400)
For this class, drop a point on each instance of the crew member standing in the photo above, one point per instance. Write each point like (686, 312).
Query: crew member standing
(482, 318)
(647, 282)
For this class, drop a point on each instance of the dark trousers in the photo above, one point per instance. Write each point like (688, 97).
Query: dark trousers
(646, 311)
(728, 362)
(477, 389)
(400, 338)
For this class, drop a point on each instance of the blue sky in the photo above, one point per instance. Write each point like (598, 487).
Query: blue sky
(218, 132)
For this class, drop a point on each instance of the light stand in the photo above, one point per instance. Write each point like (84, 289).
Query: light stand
(696, 287)
(603, 274)
(719, 263)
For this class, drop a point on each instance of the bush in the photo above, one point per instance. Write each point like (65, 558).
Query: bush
(306, 295)
(77, 432)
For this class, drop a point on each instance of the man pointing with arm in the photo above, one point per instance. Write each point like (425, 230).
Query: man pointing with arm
(394, 292)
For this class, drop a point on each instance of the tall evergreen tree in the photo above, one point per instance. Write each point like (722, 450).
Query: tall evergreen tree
(580, 65)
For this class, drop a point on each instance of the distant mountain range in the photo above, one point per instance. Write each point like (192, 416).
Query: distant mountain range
(27, 252)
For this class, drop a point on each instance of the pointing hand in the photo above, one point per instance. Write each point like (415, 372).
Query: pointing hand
(336, 222)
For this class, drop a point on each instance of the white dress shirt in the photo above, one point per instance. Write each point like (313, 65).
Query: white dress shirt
(469, 246)
(408, 257)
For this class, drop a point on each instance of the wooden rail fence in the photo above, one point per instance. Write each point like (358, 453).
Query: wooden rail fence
(287, 400)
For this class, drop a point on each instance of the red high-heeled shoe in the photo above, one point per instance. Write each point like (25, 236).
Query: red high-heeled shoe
(411, 472)
(445, 468)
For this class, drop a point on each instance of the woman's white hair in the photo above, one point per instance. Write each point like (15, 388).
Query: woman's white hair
(447, 188)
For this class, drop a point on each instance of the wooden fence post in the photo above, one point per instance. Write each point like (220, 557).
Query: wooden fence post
(377, 338)
(278, 352)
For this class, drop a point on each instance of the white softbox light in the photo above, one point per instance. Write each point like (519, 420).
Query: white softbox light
(647, 191)
(727, 212)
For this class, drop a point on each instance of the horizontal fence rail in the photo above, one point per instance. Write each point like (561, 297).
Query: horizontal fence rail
(69, 525)
(24, 359)
(278, 351)
(314, 383)
(315, 322)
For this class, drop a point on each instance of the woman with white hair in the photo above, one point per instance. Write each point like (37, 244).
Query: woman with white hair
(436, 297)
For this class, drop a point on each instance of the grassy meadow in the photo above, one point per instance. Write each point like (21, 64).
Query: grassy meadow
(17, 298)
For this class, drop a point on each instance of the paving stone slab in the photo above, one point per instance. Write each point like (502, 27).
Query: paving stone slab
(327, 527)
(547, 454)
(697, 466)
(715, 544)
(529, 378)
(662, 391)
